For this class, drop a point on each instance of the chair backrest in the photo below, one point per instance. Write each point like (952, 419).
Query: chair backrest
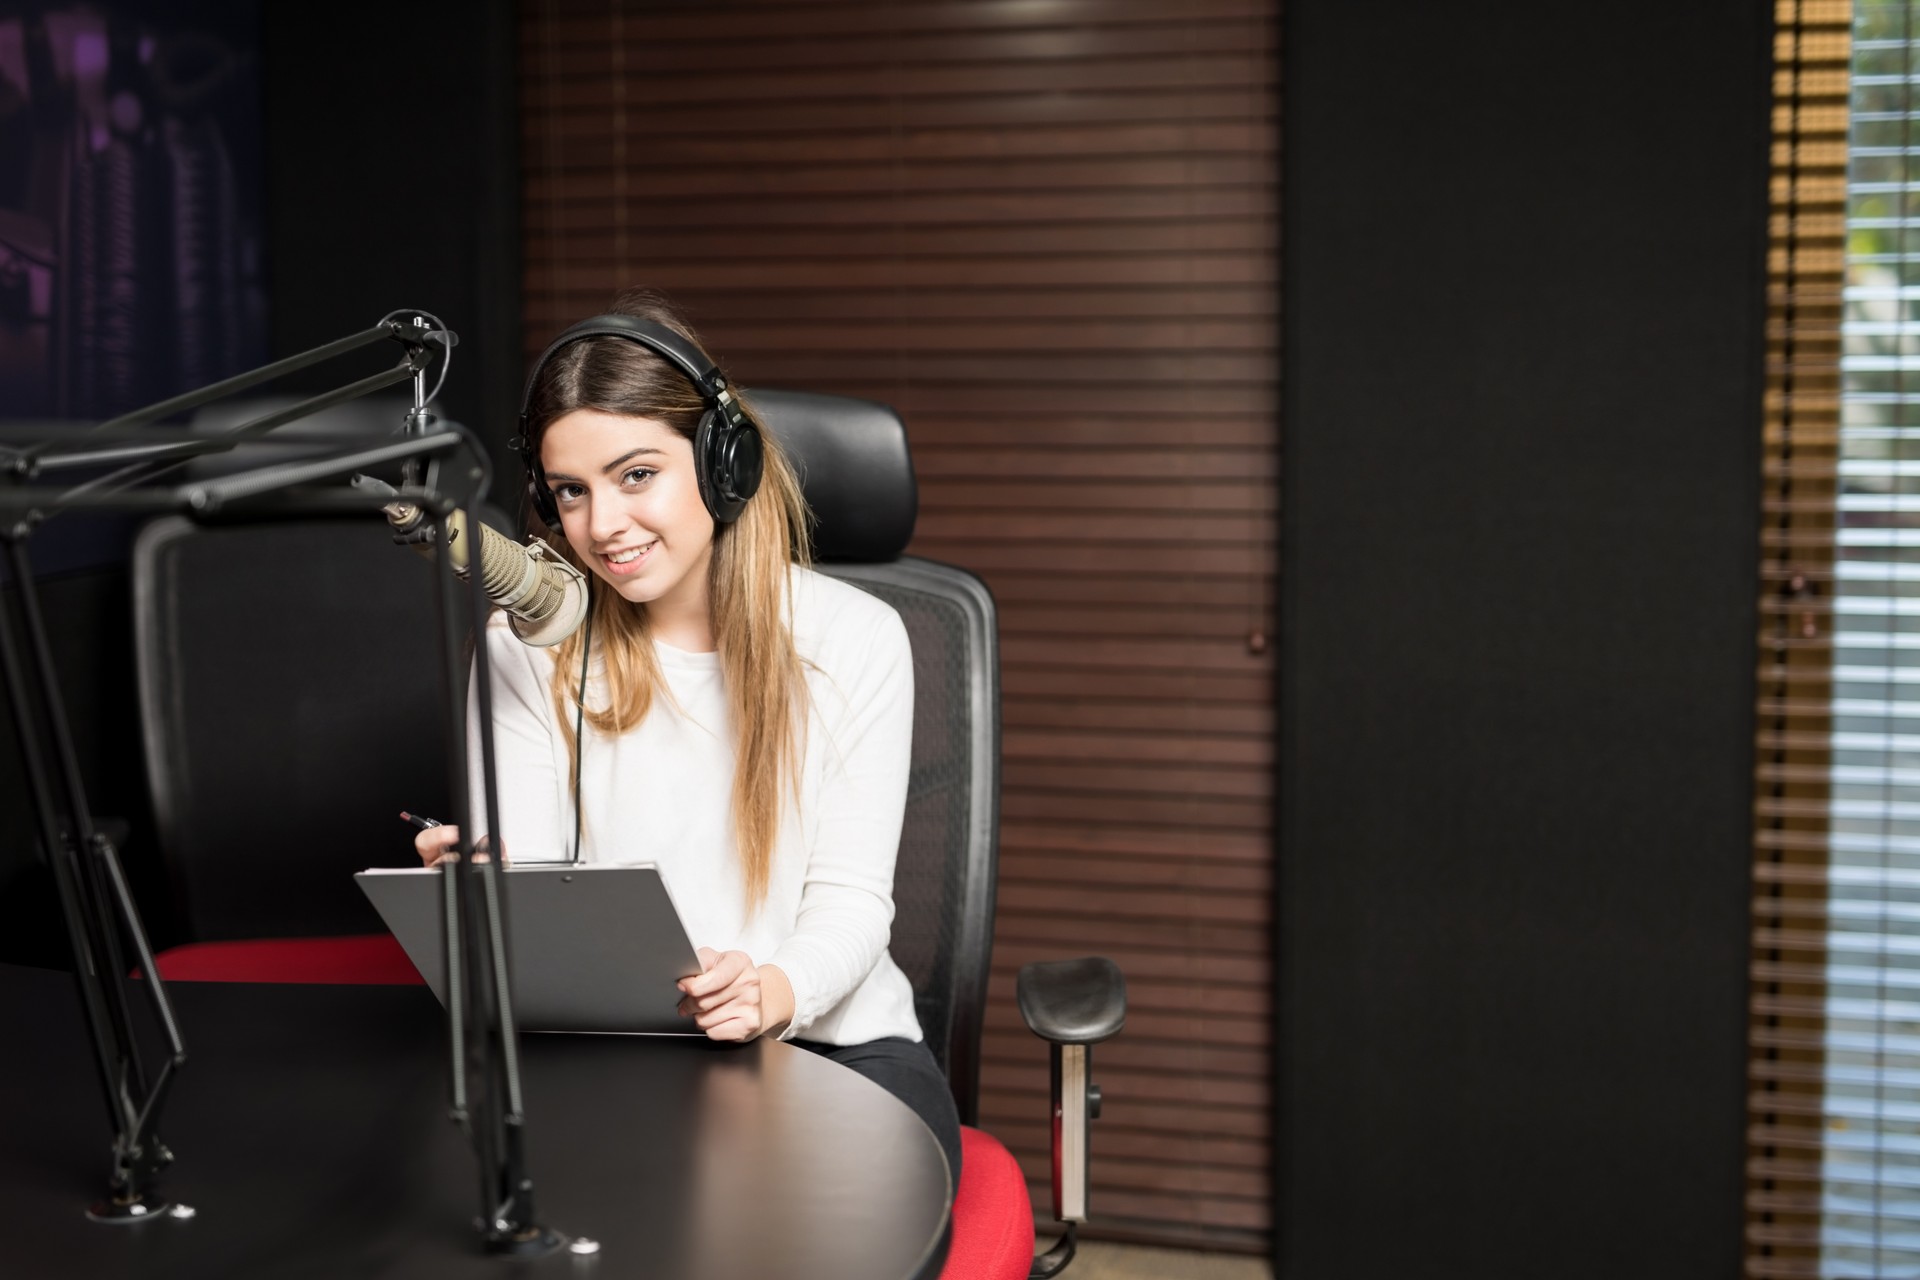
(858, 478)
(290, 682)
(943, 883)
(292, 704)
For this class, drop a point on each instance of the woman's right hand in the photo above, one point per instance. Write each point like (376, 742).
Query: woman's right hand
(437, 844)
(441, 844)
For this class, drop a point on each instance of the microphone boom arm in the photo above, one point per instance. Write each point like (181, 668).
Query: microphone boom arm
(482, 1040)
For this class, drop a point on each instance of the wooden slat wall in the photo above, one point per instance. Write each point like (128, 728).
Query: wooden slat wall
(1046, 232)
(1805, 274)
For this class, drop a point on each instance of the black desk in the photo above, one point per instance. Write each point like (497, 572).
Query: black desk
(309, 1125)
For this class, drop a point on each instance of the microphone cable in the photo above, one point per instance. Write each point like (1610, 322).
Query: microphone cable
(579, 721)
(446, 347)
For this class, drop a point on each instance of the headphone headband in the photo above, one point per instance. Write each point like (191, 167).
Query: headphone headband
(690, 360)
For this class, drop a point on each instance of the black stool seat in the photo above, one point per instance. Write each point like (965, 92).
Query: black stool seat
(1073, 1001)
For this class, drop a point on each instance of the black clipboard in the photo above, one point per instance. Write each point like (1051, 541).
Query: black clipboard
(591, 947)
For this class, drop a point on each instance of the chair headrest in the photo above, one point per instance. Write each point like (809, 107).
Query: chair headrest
(854, 469)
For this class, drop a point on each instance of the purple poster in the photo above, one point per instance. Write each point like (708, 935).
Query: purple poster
(130, 204)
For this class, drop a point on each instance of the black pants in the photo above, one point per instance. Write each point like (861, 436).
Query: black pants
(906, 1070)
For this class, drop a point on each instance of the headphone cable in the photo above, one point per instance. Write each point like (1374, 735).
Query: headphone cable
(579, 721)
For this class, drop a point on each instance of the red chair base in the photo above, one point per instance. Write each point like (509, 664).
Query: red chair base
(992, 1216)
(372, 959)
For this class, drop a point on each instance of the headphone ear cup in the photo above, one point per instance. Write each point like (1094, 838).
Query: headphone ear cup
(742, 465)
(728, 463)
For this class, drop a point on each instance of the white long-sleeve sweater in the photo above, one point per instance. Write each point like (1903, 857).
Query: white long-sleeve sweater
(661, 793)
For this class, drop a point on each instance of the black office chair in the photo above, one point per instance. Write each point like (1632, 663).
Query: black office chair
(282, 667)
(858, 477)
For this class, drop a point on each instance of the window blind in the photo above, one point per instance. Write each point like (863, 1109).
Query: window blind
(1834, 1187)
(1046, 233)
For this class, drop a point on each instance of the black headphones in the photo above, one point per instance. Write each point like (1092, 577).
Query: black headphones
(727, 458)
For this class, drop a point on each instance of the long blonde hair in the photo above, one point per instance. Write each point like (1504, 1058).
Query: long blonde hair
(749, 586)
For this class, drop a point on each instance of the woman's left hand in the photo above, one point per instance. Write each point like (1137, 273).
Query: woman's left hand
(734, 999)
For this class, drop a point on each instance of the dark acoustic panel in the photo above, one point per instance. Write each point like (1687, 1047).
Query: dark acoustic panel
(1524, 325)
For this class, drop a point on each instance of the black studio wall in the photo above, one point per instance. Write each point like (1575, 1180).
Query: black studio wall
(1523, 254)
(394, 181)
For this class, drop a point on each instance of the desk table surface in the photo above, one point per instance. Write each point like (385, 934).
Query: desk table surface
(311, 1137)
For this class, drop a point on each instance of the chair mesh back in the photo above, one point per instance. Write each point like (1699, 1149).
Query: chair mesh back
(294, 702)
(943, 884)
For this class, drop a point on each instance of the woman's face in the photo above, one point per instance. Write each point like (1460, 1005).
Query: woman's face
(630, 506)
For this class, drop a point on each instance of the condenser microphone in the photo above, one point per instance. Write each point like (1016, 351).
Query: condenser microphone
(543, 595)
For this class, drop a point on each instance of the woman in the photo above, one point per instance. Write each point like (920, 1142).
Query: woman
(746, 723)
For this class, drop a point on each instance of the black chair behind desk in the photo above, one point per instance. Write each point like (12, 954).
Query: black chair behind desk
(289, 680)
(292, 703)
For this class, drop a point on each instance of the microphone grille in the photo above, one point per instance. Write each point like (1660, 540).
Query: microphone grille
(512, 577)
